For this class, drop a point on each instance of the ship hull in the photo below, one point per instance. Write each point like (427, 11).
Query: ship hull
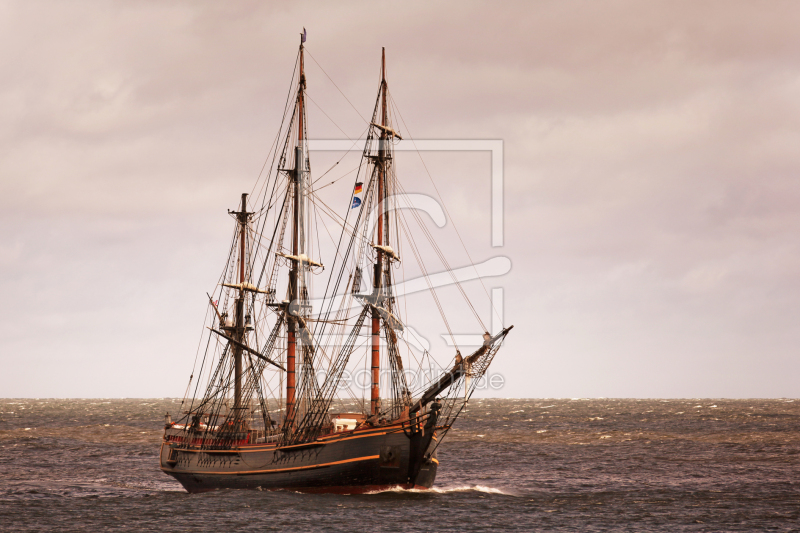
(349, 462)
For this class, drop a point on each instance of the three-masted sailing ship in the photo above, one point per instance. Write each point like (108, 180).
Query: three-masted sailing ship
(273, 367)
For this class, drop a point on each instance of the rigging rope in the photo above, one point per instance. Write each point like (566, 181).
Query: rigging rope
(337, 87)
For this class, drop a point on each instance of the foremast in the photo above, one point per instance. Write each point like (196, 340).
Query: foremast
(382, 299)
(382, 162)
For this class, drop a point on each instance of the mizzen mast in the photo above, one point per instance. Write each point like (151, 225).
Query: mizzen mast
(239, 327)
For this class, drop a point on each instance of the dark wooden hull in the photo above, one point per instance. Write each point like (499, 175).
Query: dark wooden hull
(348, 462)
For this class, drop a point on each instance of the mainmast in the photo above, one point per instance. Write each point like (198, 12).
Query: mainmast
(297, 249)
(375, 403)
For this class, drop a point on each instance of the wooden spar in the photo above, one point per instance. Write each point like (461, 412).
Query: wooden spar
(216, 310)
(291, 322)
(456, 372)
(246, 348)
(239, 331)
(243, 229)
(375, 403)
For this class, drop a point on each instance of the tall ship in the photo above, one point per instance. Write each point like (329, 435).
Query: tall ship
(265, 409)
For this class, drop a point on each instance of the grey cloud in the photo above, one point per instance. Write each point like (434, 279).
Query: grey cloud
(650, 161)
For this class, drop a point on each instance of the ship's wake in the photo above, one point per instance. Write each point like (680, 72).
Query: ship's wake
(446, 490)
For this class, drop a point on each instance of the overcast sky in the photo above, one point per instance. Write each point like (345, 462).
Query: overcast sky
(651, 162)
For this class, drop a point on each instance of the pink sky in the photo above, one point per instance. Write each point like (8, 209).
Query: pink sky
(652, 201)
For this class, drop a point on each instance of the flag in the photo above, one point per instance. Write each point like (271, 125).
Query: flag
(303, 36)
(356, 191)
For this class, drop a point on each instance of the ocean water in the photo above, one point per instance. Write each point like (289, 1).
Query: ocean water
(508, 465)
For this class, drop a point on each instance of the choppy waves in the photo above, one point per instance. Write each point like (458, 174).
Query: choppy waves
(574, 464)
